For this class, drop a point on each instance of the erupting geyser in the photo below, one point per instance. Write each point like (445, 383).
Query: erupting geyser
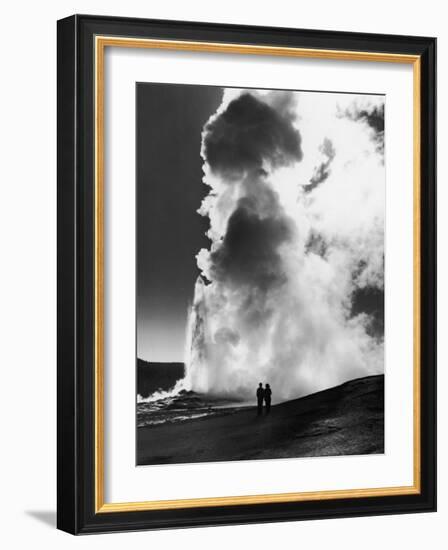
(291, 288)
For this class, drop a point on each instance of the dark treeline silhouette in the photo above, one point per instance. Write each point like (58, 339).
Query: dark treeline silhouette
(153, 377)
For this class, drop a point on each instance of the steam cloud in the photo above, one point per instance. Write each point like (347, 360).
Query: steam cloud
(291, 288)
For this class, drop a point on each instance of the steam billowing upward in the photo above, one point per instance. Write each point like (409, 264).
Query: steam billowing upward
(248, 134)
(291, 291)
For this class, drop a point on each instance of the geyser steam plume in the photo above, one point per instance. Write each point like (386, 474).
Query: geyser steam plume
(291, 288)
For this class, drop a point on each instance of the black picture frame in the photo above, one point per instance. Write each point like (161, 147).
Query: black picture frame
(76, 511)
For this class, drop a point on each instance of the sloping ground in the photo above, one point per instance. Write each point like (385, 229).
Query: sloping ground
(345, 420)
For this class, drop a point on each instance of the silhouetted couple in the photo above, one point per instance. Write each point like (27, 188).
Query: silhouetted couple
(263, 394)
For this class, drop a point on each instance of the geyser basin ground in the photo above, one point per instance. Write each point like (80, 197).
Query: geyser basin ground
(344, 420)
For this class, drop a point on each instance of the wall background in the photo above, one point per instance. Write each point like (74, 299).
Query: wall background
(28, 272)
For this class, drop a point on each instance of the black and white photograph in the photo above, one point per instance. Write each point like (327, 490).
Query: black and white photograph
(260, 273)
(220, 262)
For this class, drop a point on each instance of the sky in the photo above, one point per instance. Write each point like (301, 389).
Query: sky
(170, 232)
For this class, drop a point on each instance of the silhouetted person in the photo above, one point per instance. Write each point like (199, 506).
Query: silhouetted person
(260, 397)
(267, 398)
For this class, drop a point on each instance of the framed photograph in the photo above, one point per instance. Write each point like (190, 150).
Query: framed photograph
(246, 274)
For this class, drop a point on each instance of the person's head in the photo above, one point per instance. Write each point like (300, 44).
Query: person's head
(268, 386)
(260, 385)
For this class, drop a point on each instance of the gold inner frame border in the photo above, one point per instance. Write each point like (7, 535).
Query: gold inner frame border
(100, 44)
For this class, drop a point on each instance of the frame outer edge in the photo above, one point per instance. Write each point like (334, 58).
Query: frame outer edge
(76, 512)
(429, 271)
(433, 72)
(67, 455)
